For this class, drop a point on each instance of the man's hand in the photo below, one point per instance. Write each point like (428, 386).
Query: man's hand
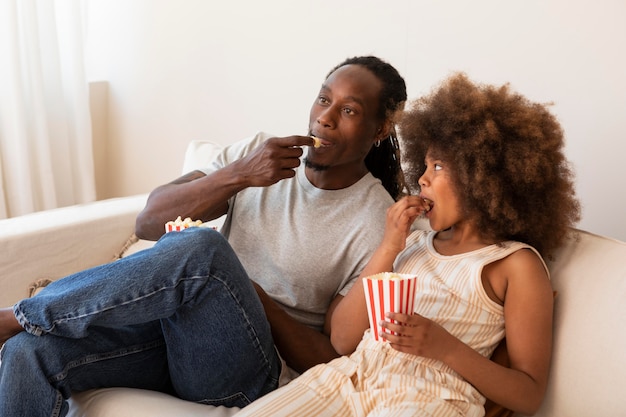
(272, 161)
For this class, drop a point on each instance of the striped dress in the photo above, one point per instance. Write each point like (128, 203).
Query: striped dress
(377, 380)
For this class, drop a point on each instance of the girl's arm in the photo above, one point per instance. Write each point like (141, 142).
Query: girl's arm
(347, 319)
(522, 281)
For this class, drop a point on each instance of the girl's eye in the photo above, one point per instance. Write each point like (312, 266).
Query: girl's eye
(322, 100)
(348, 110)
(437, 167)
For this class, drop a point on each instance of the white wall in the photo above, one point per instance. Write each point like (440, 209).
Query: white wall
(189, 69)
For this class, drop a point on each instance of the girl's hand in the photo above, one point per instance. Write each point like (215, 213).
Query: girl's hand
(400, 217)
(418, 335)
(347, 316)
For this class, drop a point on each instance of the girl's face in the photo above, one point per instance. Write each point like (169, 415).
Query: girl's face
(437, 186)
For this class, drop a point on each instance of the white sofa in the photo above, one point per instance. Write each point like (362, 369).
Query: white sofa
(588, 272)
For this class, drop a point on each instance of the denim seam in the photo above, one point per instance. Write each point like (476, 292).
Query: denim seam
(249, 327)
(58, 405)
(124, 303)
(21, 319)
(219, 401)
(38, 330)
(104, 356)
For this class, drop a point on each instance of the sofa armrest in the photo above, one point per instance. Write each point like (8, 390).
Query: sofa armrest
(54, 243)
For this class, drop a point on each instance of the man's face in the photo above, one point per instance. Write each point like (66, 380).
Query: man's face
(344, 117)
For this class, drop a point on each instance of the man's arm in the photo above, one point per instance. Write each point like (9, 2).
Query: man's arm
(299, 345)
(179, 198)
(205, 197)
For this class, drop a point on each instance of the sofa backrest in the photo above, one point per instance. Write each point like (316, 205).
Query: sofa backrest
(589, 359)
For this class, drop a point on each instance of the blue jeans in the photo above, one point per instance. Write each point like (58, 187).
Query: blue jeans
(182, 317)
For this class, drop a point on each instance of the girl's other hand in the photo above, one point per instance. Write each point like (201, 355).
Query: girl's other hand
(417, 335)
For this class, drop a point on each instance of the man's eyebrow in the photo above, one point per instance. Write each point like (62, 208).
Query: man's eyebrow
(357, 100)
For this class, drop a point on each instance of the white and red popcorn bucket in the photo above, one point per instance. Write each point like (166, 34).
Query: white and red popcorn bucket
(178, 225)
(388, 292)
(169, 227)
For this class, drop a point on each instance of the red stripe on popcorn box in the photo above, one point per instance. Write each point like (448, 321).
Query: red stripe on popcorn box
(179, 224)
(387, 292)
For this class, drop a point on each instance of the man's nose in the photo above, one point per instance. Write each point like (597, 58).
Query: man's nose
(327, 117)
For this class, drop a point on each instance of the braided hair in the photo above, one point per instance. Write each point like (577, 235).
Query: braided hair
(383, 160)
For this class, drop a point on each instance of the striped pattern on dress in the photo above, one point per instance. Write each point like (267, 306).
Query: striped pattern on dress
(377, 380)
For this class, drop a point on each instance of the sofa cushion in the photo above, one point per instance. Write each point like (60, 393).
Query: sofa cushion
(53, 243)
(129, 402)
(588, 368)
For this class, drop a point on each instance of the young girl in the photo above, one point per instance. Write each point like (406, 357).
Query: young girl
(492, 180)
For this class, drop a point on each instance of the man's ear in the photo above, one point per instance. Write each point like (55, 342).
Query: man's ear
(385, 130)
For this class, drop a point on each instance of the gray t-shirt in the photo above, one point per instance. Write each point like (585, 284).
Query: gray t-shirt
(302, 244)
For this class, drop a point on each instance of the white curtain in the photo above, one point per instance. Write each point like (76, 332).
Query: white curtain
(46, 157)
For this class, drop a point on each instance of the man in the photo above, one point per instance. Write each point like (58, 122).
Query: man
(192, 315)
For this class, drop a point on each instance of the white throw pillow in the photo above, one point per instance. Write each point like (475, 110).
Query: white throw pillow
(199, 154)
